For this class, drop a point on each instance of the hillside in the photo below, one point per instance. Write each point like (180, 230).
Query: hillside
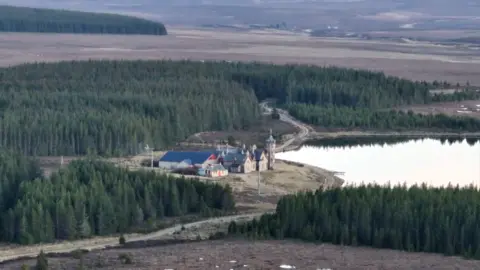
(351, 15)
(418, 218)
(252, 255)
(114, 108)
(37, 20)
(89, 197)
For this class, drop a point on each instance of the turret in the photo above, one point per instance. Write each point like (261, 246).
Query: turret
(253, 148)
(270, 147)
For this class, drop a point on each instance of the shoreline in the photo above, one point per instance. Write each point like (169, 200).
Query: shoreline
(319, 135)
(413, 134)
(339, 181)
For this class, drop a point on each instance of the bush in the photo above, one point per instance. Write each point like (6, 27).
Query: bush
(100, 262)
(78, 254)
(125, 258)
(81, 264)
(231, 141)
(121, 240)
(217, 235)
(42, 261)
(275, 114)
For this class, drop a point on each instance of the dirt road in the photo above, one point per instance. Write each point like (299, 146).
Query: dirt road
(285, 117)
(8, 253)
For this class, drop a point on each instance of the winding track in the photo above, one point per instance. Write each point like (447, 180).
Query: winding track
(286, 117)
(103, 242)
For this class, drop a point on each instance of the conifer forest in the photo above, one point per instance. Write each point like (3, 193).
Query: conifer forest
(417, 219)
(114, 108)
(41, 20)
(90, 197)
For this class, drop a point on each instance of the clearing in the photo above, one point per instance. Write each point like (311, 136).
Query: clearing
(241, 254)
(252, 135)
(469, 108)
(418, 61)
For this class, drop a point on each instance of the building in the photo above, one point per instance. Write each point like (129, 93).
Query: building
(182, 159)
(241, 162)
(244, 161)
(223, 159)
(216, 170)
(261, 163)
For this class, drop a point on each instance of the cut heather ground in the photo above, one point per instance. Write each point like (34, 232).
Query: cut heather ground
(230, 254)
(418, 61)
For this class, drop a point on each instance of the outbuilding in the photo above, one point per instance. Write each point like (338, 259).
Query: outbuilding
(216, 170)
(174, 159)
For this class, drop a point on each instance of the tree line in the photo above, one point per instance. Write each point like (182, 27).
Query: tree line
(116, 107)
(419, 219)
(330, 86)
(383, 140)
(91, 197)
(41, 20)
(347, 117)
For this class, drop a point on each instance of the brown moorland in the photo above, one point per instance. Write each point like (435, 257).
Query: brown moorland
(417, 61)
(239, 254)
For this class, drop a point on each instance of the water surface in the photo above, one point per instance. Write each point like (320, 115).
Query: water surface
(412, 162)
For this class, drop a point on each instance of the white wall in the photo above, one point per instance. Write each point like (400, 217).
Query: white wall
(167, 165)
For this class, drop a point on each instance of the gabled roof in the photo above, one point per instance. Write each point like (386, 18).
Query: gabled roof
(258, 154)
(240, 158)
(217, 167)
(194, 157)
(235, 157)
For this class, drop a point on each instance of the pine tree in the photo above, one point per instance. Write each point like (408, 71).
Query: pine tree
(139, 216)
(42, 261)
(24, 236)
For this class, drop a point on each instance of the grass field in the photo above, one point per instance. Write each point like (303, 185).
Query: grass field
(418, 61)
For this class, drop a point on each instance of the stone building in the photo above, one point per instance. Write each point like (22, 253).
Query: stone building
(243, 160)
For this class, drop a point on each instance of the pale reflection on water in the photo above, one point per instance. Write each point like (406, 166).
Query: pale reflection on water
(414, 162)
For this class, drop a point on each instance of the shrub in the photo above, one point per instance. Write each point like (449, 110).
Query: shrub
(125, 258)
(121, 240)
(42, 261)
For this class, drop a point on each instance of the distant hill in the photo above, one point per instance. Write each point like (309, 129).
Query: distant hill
(39, 20)
(348, 15)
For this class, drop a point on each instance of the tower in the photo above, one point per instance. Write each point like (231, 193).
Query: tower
(270, 146)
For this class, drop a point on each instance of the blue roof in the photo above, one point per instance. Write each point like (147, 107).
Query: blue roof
(194, 157)
(258, 154)
(238, 157)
